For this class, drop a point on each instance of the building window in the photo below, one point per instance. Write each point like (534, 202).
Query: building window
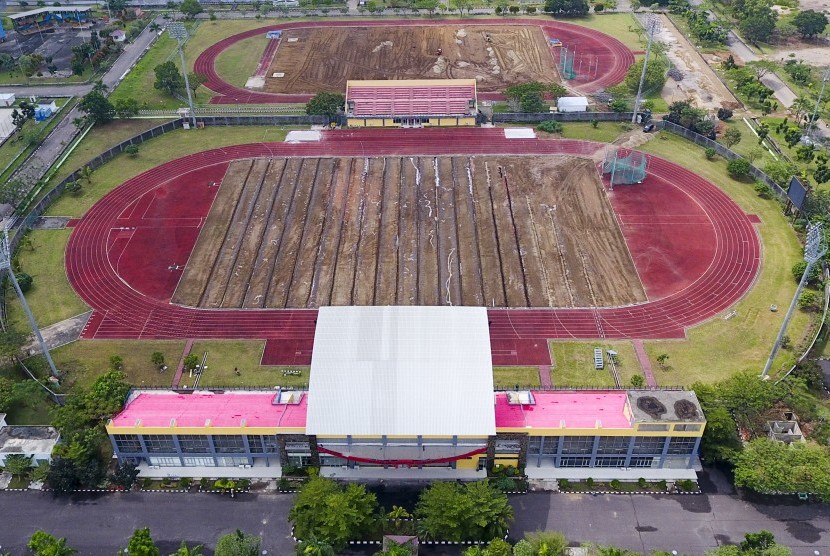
(299, 460)
(159, 444)
(534, 445)
(613, 445)
(229, 444)
(230, 461)
(507, 446)
(687, 428)
(653, 427)
(682, 446)
(198, 462)
(255, 444)
(649, 444)
(165, 462)
(128, 443)
(575, 462)
(551, 445)
(297, 447)
(271, 444)
(578, 445)
(194, 444)
(610, 462)
(641, 462)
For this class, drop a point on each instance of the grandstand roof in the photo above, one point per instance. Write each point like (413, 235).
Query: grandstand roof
(56, 9)
(401, 371)
(410, 97)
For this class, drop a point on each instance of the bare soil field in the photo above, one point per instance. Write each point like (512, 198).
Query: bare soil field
(496, 231)
(324, 58)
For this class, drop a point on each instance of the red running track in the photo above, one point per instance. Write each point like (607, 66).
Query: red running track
(612, 56)
(728, 261)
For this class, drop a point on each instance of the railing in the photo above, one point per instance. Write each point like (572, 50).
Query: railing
(535, 117)
(219, 109)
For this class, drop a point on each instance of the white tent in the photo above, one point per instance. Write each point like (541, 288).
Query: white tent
(572, 104)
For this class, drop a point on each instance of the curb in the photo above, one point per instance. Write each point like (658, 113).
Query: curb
(592, 492)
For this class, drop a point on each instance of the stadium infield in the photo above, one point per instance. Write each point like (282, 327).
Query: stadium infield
(696, 252)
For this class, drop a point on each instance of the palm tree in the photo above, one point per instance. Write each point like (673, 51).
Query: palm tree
(183, 550)
(314, 547)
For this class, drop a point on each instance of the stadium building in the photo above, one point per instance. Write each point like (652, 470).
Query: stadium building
(411, 103)
(42, 19)
(408, 392)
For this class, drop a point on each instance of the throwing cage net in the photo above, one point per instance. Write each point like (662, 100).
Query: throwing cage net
(566, 62)
(624, 166)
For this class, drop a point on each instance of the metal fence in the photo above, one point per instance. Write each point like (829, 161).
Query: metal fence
(530, 117)
(705, 142)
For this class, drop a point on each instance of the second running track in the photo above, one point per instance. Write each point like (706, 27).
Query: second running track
(614, 57)
(729, 268)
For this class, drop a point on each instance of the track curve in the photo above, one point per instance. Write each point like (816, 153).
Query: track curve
(122, 312)
(613, 56)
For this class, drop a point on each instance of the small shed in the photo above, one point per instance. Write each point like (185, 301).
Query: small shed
(118, 35)
(7, 99)
(572, 104)
(44, 109)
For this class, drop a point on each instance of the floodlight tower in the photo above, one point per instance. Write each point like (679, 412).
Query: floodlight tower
(814, 249)
(818, 103)
(178, 32)
(6, 264)
(652, 26)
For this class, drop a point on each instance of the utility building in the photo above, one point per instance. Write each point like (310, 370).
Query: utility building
(411, 103)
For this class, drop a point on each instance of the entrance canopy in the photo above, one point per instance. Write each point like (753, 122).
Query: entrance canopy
(401, 371)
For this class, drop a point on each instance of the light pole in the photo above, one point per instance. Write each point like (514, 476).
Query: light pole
(818, 103)
(6, 264)
(652, 26)
(178, 32)
(814, 250)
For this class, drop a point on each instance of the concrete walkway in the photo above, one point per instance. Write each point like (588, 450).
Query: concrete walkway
(544, 376)
(642, 357)
(59, 334)
(177, 378)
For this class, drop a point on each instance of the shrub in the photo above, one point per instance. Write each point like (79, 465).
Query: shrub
(808, 300)
(594, 123)
(564, 484)
(687, 485)
(24, 281)
(552, 543)
(590, 483)
(530, 10)
(724, 114)
(763, 190)
(204, 483)
(514, 9)
(550, 126)
(185, 482)
(637, 381)
(499, 10)
(131, 151)
(710, 153)
(457, 512)
(616, 484)
(599, 7)
(661, 484)
(244, 484)
(641, 482)
(738, 168)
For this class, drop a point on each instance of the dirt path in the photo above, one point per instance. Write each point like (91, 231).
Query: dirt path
(496, 230)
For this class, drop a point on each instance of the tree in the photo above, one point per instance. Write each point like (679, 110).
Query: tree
(97, 107)
(334, 514)
(766, 466)
(44, 544)
(117, 6)
(24, 280)
(27, 64)
(7, 397)
(780, 172)
(655, 76)
(237, 544)
(637, 381)
(141, 544)
(190, 8)
(10, 343)
(125, 476)
(725, 114)
(810, 23)
(461, 5)
(17, 464)
(13, 191)
(710, 153)
(168, 78)
(106, 395)
(532, 103)
(454, 512)
(550, 543)
(567, 8)
(758, 25)
(325, 104)
(131, 150)
(316, 547)
(196, 80)
(732, 136)
(191, 361)
(738, 168)
(126, 107)
(661, 359)
(808, 300)
(157, 358)
(183, 550)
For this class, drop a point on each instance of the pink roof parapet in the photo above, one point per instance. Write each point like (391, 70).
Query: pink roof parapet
(572, 410)
(229, 409)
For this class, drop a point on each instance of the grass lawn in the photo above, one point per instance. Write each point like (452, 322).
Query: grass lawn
(573, 364)
(236, 64)
(17, 78)
(605, 132)
(509, 377)
(85, 360)
(152, 153)
(621, 26)
(226, 355)
(719, 348)
(51, 298)
(749, 142)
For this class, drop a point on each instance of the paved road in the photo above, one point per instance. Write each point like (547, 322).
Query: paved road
(100, 524)
(783, 93)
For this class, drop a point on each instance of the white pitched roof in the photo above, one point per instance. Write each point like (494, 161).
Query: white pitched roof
(401, 371)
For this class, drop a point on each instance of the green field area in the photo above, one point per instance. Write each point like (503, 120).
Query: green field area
(719, 348)
(506, 378)
(605, 132)
(239, 61)
(51, 298)
(622, 27)
(83, 361)
(152, 153)
(573, 364)
(243, 355)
